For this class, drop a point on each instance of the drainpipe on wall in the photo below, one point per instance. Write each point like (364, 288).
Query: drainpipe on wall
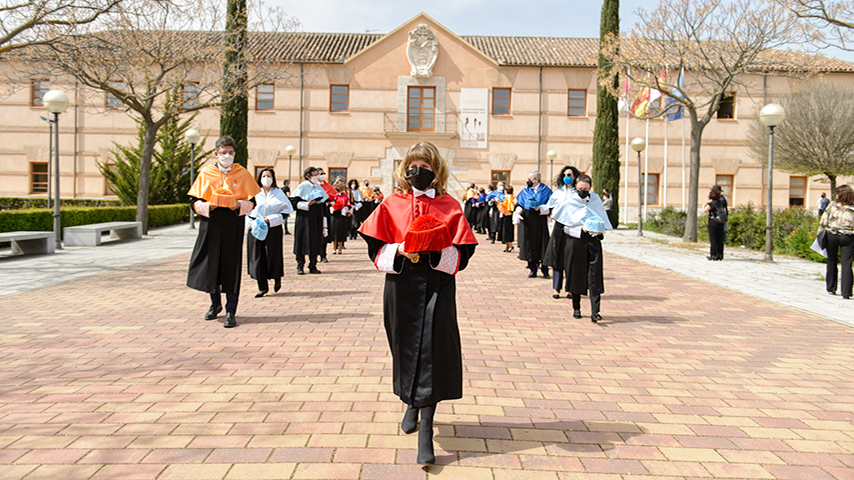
(74, 172)
(301, 96)
(540, 122)
(762, 176)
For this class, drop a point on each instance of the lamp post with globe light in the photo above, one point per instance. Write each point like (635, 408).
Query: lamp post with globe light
(551, 155)
(771, 116)
(56, 102)
(290, 150)
(638, 145)
(192, 137)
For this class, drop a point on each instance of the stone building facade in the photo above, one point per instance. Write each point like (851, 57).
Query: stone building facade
(493, 104)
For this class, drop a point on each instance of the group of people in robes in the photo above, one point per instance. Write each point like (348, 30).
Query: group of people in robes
(483, 213)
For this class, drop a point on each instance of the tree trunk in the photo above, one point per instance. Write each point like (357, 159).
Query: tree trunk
(606, 133)
(145, 173)
(832, 179)
(690, 233)
(234, 116)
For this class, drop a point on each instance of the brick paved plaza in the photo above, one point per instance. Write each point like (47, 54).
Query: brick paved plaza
(116, 376)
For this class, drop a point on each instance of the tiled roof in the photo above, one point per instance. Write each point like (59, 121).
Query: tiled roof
(538, 51)
(506, 51)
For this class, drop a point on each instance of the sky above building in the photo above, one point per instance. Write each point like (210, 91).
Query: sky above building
(532, 18)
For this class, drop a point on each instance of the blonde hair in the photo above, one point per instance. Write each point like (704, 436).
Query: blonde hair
(338, 185)
(429, 153)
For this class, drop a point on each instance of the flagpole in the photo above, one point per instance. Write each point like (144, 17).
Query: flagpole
(683, 162)
(665, 161)
(645, 170)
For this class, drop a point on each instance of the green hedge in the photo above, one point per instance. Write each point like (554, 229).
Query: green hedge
(793, 229)
(19, 203)
(42, 219)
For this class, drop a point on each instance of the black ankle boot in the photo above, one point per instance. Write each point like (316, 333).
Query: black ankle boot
(425, 436)
(410, 420)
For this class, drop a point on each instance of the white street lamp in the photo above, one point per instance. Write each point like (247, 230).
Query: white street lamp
(551, 155)
(192, 137)
(771, 116)
(56, 102)
(290, 150)
(638, 145)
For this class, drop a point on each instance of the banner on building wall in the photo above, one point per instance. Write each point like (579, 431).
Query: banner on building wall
(474, 114)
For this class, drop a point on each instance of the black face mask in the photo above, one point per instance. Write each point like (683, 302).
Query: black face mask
(583, 193)
(420, 178)
(529, 183)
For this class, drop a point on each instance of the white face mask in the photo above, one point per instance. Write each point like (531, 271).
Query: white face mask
(266, 181)
(501, 188)
(314, 180)
(322, 177)
(226, 160)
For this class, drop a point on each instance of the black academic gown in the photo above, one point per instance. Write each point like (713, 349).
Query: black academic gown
(218, 254)
(595, 274)
(308, 228)
(269, 252)
(533, 236)
(426, 369)
(568, 255)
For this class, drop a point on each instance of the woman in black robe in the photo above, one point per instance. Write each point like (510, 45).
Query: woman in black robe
(419, 301)
(309, 203)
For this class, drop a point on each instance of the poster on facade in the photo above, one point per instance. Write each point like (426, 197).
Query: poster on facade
(474, 103)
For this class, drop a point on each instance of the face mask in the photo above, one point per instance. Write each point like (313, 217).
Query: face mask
(584, 193)
(226, 160)
(567, 180)
(420, 178)
(322, 177)
(529, 183)
(501, 188)
(266, 181)
(314, 180)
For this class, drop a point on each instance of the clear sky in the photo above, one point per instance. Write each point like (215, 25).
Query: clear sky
(550, 18)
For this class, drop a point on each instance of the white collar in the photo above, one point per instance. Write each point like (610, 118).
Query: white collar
(224, 170)
(430, 192)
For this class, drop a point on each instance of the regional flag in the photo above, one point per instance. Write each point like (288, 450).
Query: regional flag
(641, 101)
(678, 112)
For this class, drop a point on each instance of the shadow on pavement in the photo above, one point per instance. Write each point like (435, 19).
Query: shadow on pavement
(319, 318)
(575, 438)
(607, 297)
(609, 319)
(315, 294)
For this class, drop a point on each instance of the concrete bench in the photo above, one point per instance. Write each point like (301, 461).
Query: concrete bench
(30, 242)
(90, 235)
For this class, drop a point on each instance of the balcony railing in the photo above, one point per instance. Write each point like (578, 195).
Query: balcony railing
(441, 124)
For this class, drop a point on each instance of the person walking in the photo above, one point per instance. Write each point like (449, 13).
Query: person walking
(717, 210)
(222, 193)
(531, 217)
(342, 211)
(506, 209)
(566, 252)
(606, 203)
(419, 300)
(309, 198)
(357, 216)
(327, 215)
(468, 208)
(822, 204)
(838, 222)
(264, 255)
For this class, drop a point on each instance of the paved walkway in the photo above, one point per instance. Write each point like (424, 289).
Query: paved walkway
(115, 375)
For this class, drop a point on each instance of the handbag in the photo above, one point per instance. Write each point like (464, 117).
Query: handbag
(822, 239)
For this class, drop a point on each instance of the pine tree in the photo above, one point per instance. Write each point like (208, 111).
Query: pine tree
(606, 133)
(234, 115)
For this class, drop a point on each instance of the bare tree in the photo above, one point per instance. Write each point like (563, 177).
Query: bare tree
(817, 137)
(158, 46)
(41, 22)
(719, 44)
(833, 20)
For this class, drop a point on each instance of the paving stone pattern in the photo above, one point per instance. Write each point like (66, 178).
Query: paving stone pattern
(117, 376)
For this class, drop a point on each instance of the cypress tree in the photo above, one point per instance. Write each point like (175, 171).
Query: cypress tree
(606, 133)
(234, 114)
